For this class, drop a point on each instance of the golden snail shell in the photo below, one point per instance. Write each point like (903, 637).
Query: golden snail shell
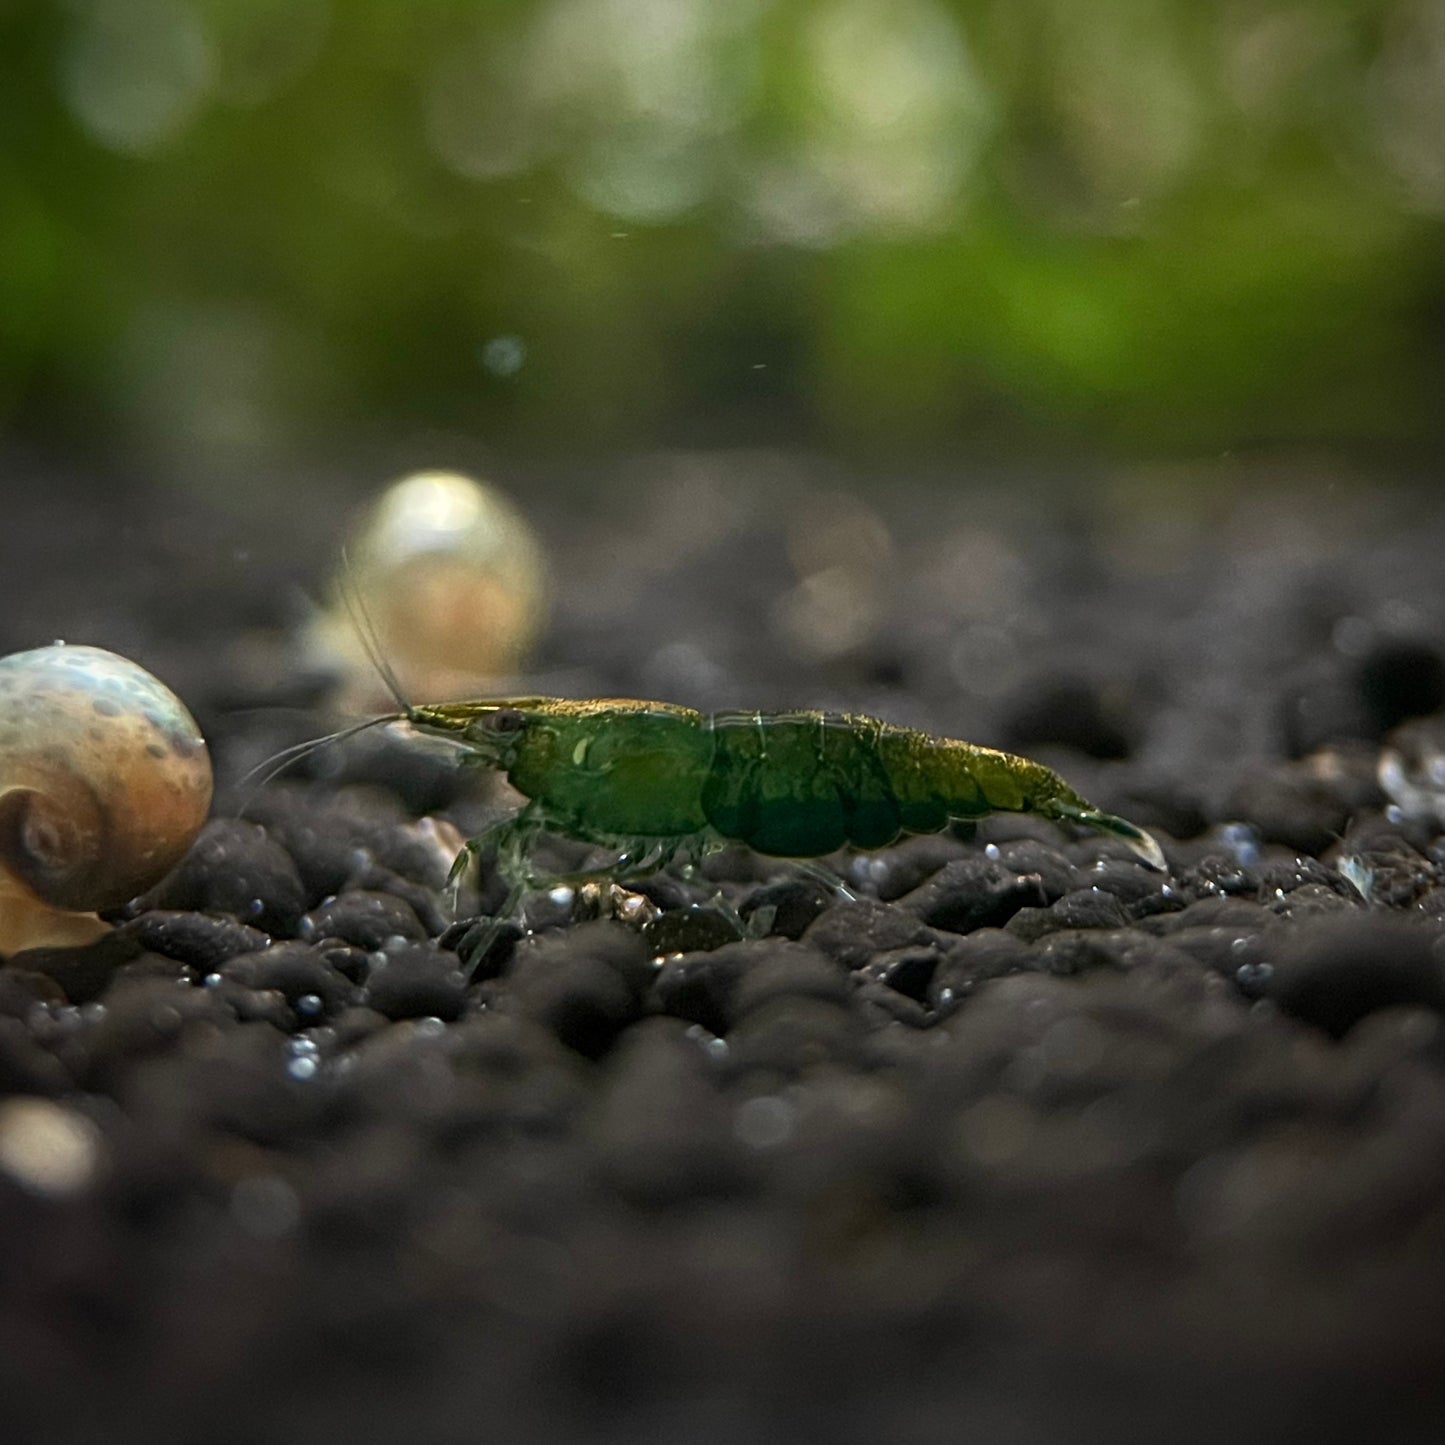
(452, 579)
(104, 783)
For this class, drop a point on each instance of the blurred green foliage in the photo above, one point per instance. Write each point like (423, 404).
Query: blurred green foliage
(903, 225)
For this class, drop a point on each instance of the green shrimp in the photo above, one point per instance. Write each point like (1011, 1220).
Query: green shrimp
(655, 783)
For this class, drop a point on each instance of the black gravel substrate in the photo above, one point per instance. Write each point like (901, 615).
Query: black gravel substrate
(1027, 1144)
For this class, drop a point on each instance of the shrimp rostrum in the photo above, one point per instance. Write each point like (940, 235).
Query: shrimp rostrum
(654, 782)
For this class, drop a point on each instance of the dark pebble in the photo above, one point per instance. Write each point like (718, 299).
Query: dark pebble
(197, 939)
(253, 1005)
(1079, 951)
(142, 1019)
(662, 1131)
(425, 901)
(851, 933)
(22, 988)
(986, 953)
(355, 1023)
(878, 1003)
(906, 971)
(238, 1085)
(330, 834)
(235, 867)
(1217, 912)
(701, 987)
(901, 869)
(1431, 903)
(1168, 899)
(621, 948)
(1281, 875)
(82, 973)
(585, 985)
(1226, 950)
(363, 918)
(422, 852)
(485, 945)
(347, 959)
(419, 980)
(153, 965)
(1392, 1035)
(549, 910)
(790, 1035)
(530, 1076)
(1217, 874)
(1084, 908)
(895, 987)
(1057, 874)
(974, 893)
(294, 970)
(779, 968)
(26, 1067)
(690, 930)
(1312, 899)
(1334, 972)
(668, 892)
(1137, 887)
(790, 905)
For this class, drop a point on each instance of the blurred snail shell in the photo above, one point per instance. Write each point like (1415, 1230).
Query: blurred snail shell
(104, 783)
(452, 579)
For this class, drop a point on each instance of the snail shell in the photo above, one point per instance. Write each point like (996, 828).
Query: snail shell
(104, 784)
(452, 578)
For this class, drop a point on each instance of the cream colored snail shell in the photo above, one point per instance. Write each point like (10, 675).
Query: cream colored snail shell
(104, 783)
(452, 578)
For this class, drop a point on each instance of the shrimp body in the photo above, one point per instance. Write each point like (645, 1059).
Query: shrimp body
(623, 772)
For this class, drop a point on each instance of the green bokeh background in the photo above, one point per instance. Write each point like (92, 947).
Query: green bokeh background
(903, 229)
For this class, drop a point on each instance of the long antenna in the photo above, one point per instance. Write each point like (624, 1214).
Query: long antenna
(272, 767)
(354, 601)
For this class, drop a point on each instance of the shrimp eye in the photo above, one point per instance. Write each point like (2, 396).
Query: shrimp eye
(506, 720)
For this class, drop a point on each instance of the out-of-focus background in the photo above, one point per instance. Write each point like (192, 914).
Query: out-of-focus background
(1056, 374)
(239, 234)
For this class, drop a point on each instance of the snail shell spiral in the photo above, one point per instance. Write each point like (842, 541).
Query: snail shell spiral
(104, 783)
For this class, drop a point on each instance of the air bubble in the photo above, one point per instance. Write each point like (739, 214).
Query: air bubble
(1253, 978)
(504, 355)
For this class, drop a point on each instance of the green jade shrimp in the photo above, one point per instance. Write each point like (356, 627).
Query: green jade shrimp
(656, 783)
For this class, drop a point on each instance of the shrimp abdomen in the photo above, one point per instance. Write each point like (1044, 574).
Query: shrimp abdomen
(799, 784)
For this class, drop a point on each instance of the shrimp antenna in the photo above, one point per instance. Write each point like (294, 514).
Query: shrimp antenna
(354, 601)
(270, 768)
